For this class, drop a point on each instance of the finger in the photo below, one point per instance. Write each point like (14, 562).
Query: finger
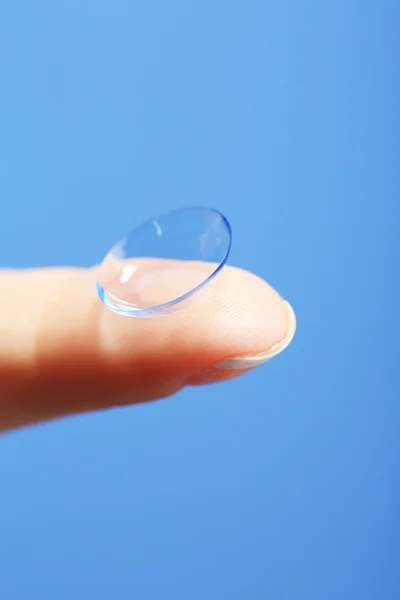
(62, 351)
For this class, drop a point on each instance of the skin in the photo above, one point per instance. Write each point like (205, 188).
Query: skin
(62, 352)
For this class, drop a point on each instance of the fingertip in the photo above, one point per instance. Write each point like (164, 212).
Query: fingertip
(234, 366)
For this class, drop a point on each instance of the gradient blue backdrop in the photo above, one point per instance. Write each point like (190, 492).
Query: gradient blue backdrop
(280, 485)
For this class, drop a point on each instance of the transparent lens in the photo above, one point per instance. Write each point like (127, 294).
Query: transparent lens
(162, 263)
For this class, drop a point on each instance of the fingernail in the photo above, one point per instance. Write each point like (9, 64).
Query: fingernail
(249, 362)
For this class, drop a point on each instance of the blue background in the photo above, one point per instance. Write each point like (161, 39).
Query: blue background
(282, 484)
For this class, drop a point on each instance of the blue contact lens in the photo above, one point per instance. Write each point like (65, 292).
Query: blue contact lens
(159, 266)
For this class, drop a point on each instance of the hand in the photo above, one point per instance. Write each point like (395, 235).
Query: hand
(63, 352)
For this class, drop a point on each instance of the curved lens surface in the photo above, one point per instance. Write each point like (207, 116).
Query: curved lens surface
(164, 261)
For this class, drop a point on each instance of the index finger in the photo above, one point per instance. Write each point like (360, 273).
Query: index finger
(62, 351)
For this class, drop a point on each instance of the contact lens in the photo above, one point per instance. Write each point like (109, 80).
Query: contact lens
(164, 262)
